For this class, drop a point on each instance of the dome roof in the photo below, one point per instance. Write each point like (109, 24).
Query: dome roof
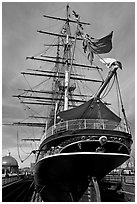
(9, 161)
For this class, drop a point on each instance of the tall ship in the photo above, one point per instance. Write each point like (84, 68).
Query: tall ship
(83, 139)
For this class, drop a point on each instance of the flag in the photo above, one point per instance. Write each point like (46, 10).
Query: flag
(90, 57)
(99, 46)
(96, 46)
(92, 45)
(77, 19)
(75, 14)
(87, 49)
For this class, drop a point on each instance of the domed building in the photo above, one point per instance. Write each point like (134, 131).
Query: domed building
(9, 165)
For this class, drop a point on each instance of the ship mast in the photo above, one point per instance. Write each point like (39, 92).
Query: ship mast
(67, 53)
(62, 74)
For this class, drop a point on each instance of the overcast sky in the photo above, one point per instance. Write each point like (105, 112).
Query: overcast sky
(20, 22)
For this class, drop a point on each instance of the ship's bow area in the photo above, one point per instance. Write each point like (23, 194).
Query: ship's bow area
(68, 159)
(70, 167)
(68, 173)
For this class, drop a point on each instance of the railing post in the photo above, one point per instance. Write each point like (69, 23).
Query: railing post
(66, 125)
(85, 121)
(52, 129)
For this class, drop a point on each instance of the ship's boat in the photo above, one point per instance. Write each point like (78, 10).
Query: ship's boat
(81, 143)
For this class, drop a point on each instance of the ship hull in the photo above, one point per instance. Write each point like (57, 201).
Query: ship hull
(64, 177)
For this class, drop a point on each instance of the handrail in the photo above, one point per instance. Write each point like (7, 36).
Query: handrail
(78, 124)
(81, 124)
(126, 179)
(10, 179)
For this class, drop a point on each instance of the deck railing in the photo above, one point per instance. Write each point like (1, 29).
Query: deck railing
(79, 124)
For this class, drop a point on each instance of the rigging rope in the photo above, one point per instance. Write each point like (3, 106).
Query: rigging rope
(18, 146)
(22, 160)
(26, 106)
(27, 82)
(118, 99)
(106, 92)
(92, 63)
(83, 83)
(45, 49)
(123, 110)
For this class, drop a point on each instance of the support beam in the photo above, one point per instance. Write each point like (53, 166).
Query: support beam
(64, 19)
(59, 62)
(51, 75)
(57, 34)
(51, 92)
(31, 139)
(46, 98)
(29, 124)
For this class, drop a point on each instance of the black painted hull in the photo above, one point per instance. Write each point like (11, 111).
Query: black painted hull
(64, 177)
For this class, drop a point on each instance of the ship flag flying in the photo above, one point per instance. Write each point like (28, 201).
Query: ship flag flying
(92, 45)
(99, 46)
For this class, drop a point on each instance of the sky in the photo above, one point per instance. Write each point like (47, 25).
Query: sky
(20, 22)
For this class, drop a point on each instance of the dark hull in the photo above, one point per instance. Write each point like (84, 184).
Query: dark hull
(64, 177)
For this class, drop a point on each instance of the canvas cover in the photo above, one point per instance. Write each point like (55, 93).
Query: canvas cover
(92, 109)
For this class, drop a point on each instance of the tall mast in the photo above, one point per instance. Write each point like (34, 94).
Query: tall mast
(67, 55)
(55, 85)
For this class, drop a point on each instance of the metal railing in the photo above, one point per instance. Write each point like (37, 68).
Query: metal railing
(10, 179)
(78, 124)
(112, 178)
(129, 179)
(126, 179)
